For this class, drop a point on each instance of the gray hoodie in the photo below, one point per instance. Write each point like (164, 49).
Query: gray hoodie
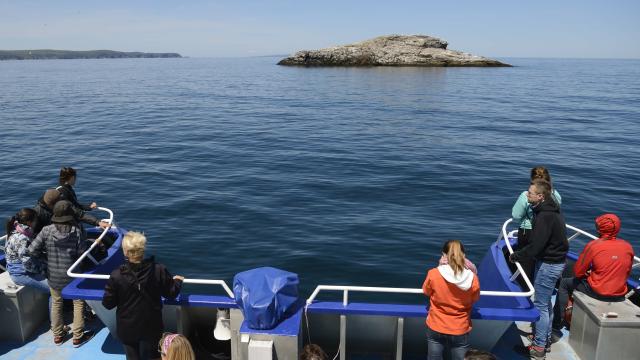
(63, 248)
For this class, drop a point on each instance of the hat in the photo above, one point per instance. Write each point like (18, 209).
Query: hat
(608, 225)
(50, 197)
(63, 212)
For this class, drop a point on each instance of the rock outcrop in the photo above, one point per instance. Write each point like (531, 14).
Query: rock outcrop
(392, 50)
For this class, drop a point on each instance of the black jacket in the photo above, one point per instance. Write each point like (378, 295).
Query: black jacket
(44, 213)
(135, 289)
(548, 239)
(67, 193)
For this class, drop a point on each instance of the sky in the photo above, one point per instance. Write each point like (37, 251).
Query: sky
(201, 28)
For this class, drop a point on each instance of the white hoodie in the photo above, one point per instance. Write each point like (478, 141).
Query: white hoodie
(463, 280)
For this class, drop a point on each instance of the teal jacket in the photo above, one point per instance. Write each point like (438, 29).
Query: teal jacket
(522, 212)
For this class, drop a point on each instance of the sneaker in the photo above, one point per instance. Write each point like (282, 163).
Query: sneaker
(535, 352)
(59, 340)
(531, 351)
(547, 347)
(88, 335)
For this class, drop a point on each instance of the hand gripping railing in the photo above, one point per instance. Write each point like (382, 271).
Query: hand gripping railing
(70, 272)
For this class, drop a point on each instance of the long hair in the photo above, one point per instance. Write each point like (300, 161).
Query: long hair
(23, 216)
(454, 250)
(178, 349)
(66, 173)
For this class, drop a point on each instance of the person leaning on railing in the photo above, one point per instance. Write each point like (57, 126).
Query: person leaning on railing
(136, 288)
(522, 213)
(548, 246)
(452, 289)
(601, 271)
(64, 191)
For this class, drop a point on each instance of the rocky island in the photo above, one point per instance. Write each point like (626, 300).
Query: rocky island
(391, 50)
(67, 54)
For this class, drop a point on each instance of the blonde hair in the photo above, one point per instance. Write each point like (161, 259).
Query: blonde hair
(133, 245)
(178, 349)
(454, 250)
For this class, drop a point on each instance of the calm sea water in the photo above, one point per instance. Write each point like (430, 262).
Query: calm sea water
(345, 176)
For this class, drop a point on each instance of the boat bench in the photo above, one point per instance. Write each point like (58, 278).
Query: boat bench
(604, 330)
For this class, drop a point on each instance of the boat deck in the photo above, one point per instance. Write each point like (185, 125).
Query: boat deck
(102, 347)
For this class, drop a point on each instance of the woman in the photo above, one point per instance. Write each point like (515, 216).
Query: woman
(66, 182)
(175, 347)
(64, 241)
(64, 192)
(136, 288)
(522, 213)
(24, 269)
(452, 289)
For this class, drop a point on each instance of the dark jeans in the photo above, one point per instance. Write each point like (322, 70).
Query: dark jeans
(438, 342)
(566, 289)
(142, 350)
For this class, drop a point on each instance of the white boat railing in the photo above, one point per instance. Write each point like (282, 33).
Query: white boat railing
(71, 273)
(502, 236)
(347, 289)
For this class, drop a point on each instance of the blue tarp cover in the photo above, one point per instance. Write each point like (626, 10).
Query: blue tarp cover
(265, 295)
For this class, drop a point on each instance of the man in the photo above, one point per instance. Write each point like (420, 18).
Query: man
(548, 245)
(601, 271)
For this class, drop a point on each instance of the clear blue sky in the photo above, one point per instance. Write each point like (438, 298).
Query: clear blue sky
(199, 28)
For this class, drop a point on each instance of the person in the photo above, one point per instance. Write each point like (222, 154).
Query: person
(64, 241)
(24, 269)
(48, 200)
(44, 209)
(313, 352)
(548, 246)
(522, 213)
(175, 347)
(601, 271)
(452, 289)
(135, 288)
(67, 180)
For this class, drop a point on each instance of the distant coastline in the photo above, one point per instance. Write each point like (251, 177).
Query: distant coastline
(68, 54)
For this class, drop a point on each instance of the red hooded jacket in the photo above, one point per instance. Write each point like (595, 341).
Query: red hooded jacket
(608, 258)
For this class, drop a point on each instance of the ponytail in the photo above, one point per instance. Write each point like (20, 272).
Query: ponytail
(454, 251)
(23, 216)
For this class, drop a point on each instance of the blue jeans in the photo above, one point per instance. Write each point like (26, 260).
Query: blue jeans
(547, 274)
(21, 277)
(458, 344)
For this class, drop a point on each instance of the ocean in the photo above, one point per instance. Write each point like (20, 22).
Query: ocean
(346, 176)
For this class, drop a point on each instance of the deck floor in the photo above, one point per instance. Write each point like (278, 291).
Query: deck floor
(517, 335)
(40, 346)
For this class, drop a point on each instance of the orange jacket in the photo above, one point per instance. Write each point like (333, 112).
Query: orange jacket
(450, 309)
